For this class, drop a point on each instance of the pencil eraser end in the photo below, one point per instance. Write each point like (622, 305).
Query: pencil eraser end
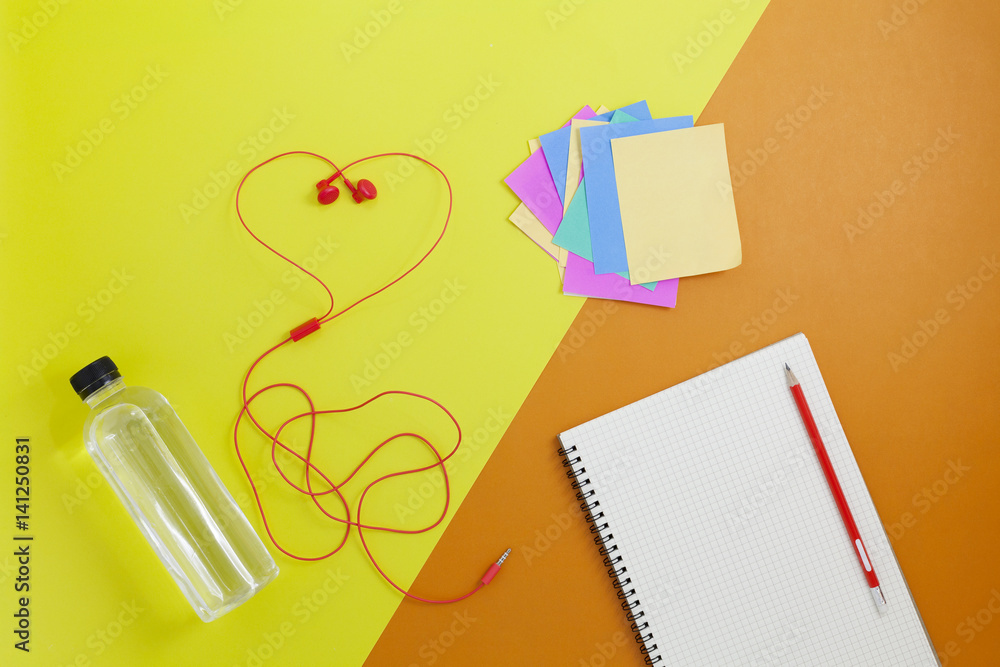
(879, 598)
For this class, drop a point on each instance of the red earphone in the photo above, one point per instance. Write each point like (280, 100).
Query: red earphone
(328, 193)
(318, 483)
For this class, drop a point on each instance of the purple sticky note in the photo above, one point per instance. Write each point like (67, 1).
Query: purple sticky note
(533, 185)
(581, 280)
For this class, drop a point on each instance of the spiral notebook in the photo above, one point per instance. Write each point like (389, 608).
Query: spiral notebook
(721, 534)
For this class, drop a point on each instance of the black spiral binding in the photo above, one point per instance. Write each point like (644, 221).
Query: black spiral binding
(613, 560)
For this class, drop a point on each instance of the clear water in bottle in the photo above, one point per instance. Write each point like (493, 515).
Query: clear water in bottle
(172, 493)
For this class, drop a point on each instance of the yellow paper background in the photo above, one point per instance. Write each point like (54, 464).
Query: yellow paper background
(233, 83)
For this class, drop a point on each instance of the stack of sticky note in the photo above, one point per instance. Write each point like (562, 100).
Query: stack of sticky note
(627, 204)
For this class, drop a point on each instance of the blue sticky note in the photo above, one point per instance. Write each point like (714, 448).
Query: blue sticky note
(555, 147)
(638, 110)
(606, 236)
(574, 230)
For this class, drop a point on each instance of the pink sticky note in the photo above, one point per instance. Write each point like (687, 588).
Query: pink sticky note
(581, 280)
(533, 185)
(585, 113)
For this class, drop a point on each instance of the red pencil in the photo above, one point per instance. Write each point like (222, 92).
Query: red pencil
(838, 494)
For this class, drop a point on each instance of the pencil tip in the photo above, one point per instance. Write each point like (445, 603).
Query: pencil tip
(790, 376)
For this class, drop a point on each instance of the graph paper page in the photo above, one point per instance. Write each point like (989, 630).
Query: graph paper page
(729, 530)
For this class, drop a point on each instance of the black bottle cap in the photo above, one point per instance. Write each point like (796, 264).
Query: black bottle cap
(93, 376)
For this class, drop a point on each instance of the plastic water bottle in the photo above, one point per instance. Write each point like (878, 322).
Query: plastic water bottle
(168, 486)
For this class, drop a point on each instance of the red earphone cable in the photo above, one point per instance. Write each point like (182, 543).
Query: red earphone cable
(310, 467)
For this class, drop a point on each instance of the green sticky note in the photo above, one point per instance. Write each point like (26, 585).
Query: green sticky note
(621, 117)
(574, 230)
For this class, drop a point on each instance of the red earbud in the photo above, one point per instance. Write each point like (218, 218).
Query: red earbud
(366, 190)
(328, 192)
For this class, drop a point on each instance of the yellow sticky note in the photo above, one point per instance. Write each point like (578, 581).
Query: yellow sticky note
(576, 158)
(533, 228)
(676, 202)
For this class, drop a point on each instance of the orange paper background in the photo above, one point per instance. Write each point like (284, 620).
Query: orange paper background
(831, 109)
